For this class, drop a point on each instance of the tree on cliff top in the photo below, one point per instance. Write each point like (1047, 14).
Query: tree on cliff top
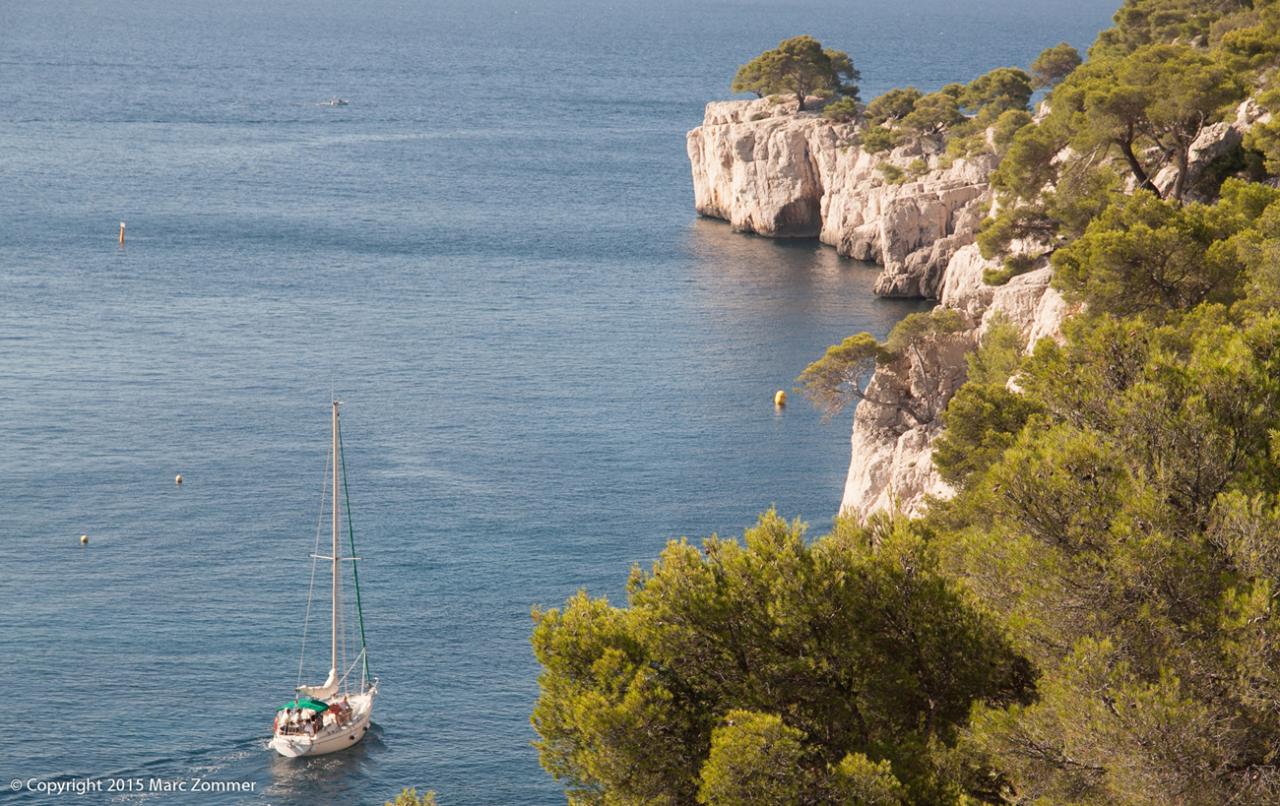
(798, 66)
(841, 376)
(1054, 64)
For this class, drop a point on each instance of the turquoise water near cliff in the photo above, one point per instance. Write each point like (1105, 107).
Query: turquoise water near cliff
(550, 365)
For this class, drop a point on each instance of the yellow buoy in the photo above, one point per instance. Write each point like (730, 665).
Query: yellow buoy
(122, 233)
(780, 398)
(178, 479)
(84, 540)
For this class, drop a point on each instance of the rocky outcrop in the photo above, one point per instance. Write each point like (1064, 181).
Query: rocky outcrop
(1215, 143)
(767, 169)
(753, 165)
(891, 464)
(891, 468)
(892, 461)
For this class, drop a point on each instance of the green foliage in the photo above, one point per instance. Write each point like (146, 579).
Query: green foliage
(891, 173)
(1153, 256)
(1001, 90)
(924, 326)
(863, 782)
(839, 377)
(737, 675)
(1121, 525)
(1128, 111)
(755, 760)
(1054, 64)
(982, 420)
(876, 139)
(1007, 126)
(904, 113)
(1146, 22)
(1013, 266)
(1250, 41)
(1119, 513)
(1265, 137)
(841, 110)
(799, 66)
(984, 417)
(998, 355)
(1158, 97)
(410, 797)
(893, 106)
(932, 115)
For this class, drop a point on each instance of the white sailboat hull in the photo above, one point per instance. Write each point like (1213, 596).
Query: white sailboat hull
(331, 738)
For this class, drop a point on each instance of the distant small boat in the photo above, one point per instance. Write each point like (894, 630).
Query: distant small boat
(336, 101)
(335, 714)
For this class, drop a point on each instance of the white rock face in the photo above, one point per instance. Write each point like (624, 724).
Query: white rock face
(962, 286)
(891, 467)
(1017, 301)
(891, 464)
(769, 170)
(752, 166)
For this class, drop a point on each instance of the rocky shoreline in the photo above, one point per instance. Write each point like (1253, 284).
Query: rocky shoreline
(769, 170)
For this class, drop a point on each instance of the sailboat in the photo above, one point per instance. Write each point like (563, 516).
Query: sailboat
(337, 713)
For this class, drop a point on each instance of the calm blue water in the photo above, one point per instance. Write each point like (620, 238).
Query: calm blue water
(550, 365)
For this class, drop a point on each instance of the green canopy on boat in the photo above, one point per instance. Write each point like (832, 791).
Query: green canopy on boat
(310, 703)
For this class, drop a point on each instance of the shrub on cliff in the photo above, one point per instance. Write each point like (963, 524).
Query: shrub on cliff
(877, 139)
(843, 110)
(1264, 137)
(893, 106)
(984, 416)
(801, 67)
(772, 671)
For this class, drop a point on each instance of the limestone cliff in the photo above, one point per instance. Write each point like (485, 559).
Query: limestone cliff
(891, 459)
(767, 169)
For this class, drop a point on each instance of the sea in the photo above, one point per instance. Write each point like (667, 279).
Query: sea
(549, 365)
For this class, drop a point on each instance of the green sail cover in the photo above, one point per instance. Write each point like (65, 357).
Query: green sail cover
(309, 703)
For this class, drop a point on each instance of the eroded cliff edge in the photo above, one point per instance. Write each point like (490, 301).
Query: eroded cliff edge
(772, 171)
(769, 170)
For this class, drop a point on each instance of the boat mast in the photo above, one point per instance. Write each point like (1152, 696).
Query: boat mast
(333, 662)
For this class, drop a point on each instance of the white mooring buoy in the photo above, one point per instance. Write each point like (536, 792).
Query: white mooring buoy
(178, 479)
